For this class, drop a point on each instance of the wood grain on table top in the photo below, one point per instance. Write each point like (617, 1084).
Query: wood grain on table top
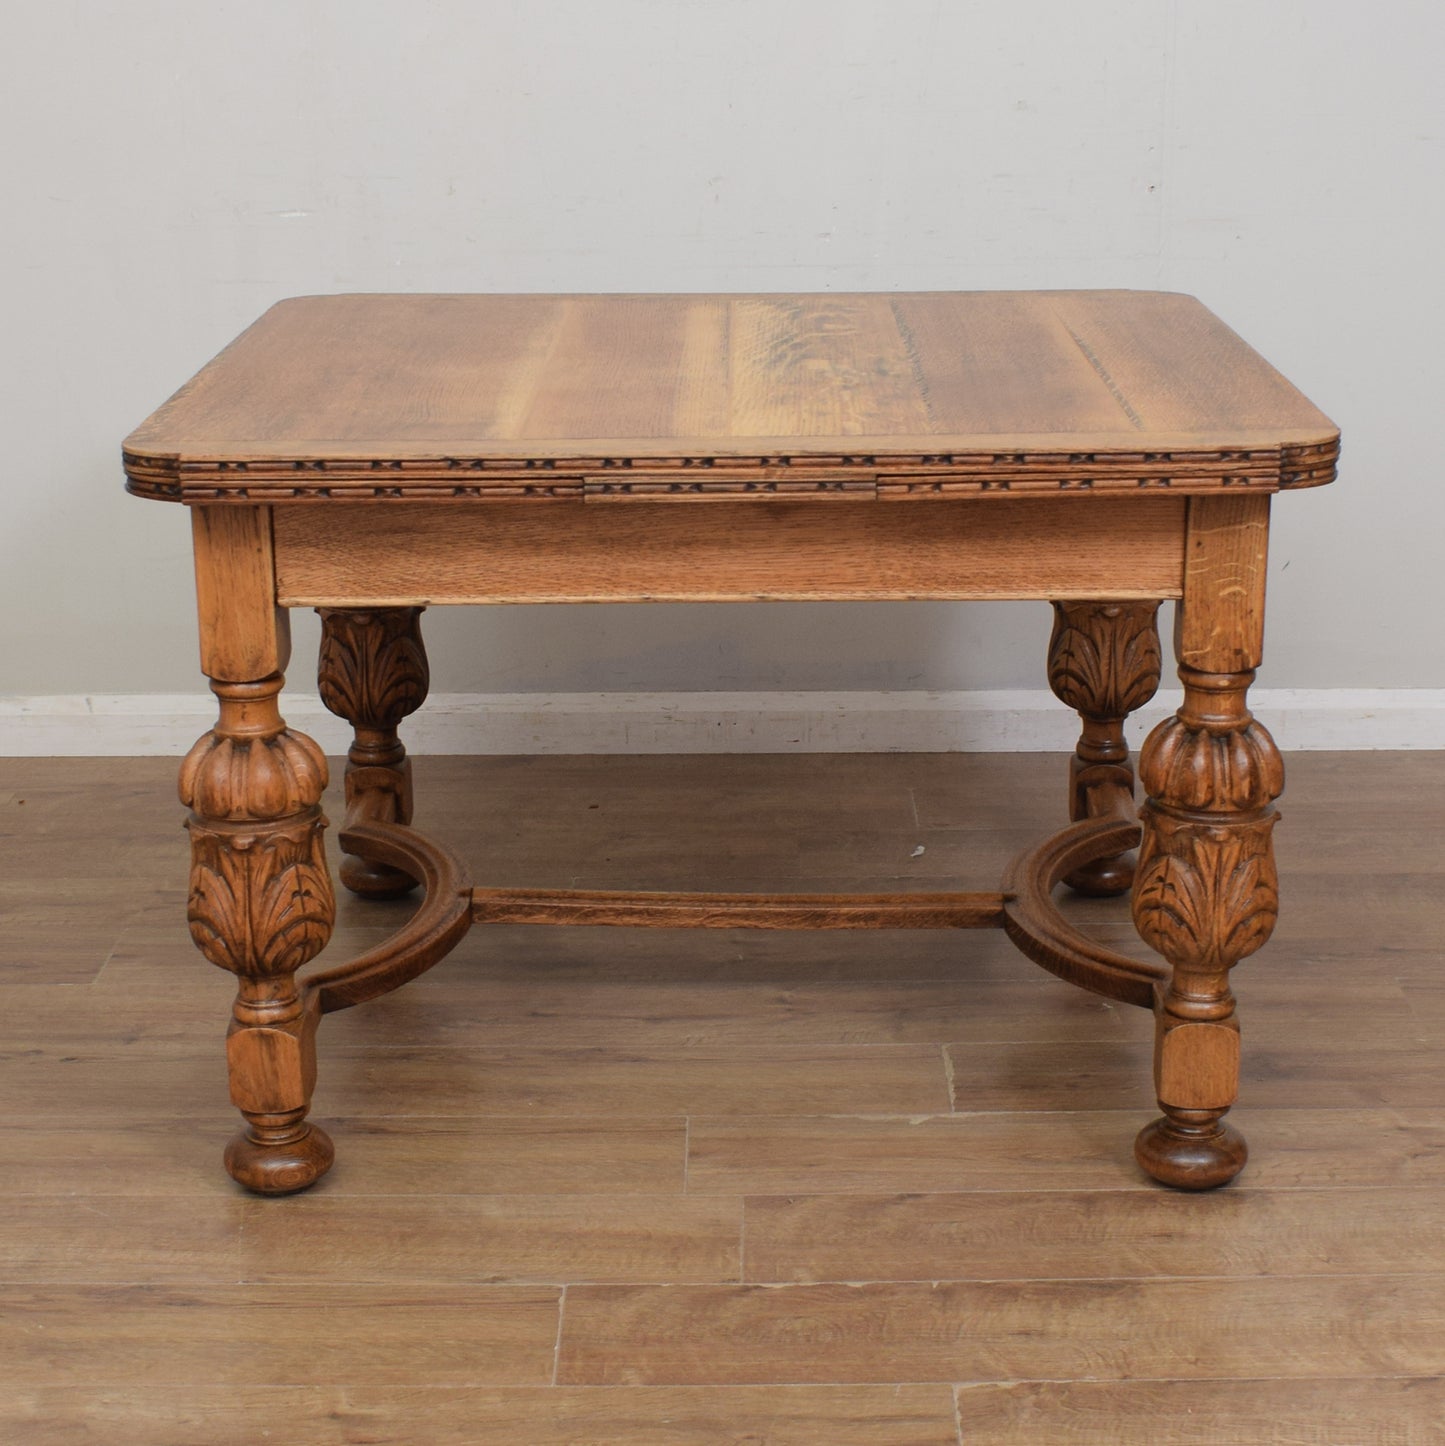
(1044, 388)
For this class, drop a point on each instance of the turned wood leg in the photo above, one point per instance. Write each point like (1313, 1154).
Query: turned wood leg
(1206, 897)
(1206, 894)
(1104, 663)
(261, 906)
(260, 900)
(373, 672)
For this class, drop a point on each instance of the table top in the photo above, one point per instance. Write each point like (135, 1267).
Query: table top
(894, 396)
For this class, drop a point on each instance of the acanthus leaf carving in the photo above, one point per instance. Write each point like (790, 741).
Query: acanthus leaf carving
(373, 668)
(1104, 658)
(1206, 895)
(261, 902)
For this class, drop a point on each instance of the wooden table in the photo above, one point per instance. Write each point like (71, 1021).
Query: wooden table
(373, 455)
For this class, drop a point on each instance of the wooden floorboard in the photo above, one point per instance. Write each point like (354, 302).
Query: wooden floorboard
(1064, 1150)
(1102, 1234)
(669, 1188)
(63, 1083)
(1113, 1074)
(1379, 1411)
(229, 1334)
(411, 1240)
(915, 1415)
(406, 1155)
(1003, 1330)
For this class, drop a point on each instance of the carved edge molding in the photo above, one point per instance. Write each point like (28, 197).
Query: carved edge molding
(890, 477)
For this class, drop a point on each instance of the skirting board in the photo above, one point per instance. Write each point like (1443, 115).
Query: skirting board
(1016, 721)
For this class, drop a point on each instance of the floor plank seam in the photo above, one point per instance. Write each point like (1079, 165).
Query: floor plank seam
(608, 1282)
(743, 1241)
(993, 1383)
(334, 1195)
(64, 1120)
(1141, 1189)
(557, 1344)
(864, 1282)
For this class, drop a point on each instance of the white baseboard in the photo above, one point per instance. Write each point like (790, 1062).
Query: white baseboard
(1014, 721)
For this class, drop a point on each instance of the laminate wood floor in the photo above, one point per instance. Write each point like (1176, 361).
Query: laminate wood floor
(647, 1187)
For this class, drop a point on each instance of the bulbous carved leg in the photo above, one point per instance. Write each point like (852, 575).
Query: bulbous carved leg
(1104, 663)
(373, 672)
(261, 906)
(1206, 897)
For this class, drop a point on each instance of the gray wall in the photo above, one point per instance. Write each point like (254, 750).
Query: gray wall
(170, 169)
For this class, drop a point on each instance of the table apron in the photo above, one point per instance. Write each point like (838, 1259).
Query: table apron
(401, 554)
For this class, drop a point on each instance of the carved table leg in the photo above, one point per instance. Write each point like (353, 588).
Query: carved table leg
(1207, 895)
(1104, 663)
(373, 672)
(260, 898)
(261, 906)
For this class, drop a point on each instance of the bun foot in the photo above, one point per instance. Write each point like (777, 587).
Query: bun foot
(1103, 878)
(1197, 1154)
(374, 881)
(281, 1161)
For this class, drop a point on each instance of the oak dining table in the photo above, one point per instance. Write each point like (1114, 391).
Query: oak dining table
(374, 455)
